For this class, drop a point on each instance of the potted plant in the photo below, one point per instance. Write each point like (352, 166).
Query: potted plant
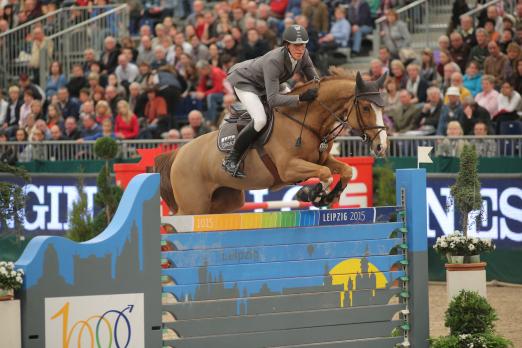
(470, 319)
(11, 279)
(452, 246)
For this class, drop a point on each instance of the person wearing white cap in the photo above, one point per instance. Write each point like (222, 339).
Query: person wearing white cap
(455, 110)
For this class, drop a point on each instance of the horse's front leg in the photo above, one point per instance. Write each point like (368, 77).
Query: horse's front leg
(341, 168)
(297, 170)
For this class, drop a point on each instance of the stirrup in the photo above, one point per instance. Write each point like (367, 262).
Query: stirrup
(236, 173)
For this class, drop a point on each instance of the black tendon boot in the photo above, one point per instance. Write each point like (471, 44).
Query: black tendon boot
(243, 141)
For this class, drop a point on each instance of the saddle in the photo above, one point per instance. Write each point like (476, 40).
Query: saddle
(238, 119)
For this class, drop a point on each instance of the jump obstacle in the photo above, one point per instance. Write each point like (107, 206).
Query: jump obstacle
(322, 278)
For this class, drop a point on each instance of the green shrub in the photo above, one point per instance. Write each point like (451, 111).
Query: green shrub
(470, 313)
(486, 340)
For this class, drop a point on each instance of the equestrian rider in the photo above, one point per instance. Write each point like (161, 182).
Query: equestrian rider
(254, 78)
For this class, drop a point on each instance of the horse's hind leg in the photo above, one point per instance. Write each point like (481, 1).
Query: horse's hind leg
(226, 200)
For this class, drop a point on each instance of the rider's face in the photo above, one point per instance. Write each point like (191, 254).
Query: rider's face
(296, 50)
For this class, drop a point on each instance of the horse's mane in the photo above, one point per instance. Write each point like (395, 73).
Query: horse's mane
(336, 73)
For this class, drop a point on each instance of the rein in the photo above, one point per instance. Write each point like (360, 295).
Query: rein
(343, 122)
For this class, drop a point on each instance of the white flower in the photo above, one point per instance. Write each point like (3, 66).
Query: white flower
(3, 271)
(444, 244)
(19, 280)
(471, 247)
(21, 271)
(13, 274)
(10, 266)
(3, 263)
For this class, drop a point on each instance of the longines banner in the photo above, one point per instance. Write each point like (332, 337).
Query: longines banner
(50, 200)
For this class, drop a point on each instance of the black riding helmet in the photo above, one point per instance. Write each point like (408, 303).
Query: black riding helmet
(295, 34)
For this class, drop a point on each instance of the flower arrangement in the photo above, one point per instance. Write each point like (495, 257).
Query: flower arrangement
(10, 278)
(459, 244)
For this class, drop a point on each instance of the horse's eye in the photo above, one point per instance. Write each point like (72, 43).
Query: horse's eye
(366, 109)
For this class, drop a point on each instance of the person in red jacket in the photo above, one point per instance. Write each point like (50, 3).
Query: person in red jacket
(126, 125)
(210, 86)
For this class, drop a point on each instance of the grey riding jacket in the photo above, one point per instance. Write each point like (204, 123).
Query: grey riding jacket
(264, 74)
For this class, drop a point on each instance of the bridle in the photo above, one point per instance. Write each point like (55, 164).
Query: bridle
(343, 121)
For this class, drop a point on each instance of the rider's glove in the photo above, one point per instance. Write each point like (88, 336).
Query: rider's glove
(309, 95)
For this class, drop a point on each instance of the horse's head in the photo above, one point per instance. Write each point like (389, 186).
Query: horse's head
(366, 113)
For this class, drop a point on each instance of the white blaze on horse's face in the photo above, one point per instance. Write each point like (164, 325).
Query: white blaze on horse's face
(379, 147)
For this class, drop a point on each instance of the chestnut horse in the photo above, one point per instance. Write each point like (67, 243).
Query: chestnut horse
(193, 181)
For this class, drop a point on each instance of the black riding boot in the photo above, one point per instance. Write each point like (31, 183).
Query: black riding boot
(243, 141)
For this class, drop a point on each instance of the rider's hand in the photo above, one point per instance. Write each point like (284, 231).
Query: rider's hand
(309, 95)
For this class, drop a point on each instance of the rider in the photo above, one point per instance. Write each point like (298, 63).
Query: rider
(254, 78)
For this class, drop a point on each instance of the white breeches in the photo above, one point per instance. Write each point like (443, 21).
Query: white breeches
(253, 105)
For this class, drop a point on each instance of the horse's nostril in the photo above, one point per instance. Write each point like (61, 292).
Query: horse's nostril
(378, 147)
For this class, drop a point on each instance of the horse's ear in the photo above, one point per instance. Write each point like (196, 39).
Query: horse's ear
(358, 80)
(380, 80)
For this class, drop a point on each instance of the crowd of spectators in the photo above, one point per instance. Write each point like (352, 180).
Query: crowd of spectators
(168, 80)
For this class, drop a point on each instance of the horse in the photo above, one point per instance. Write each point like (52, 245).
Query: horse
(193, 181)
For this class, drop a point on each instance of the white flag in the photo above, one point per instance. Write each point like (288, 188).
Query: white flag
(423, 154)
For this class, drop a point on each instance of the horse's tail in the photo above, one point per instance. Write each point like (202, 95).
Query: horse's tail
(162, 165)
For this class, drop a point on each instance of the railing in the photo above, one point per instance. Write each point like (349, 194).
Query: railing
(399, 146)
(416, 16)
(507, 6)
(15, 44)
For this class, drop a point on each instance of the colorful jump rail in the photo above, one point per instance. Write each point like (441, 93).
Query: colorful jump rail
(289, 279)
(323, 278)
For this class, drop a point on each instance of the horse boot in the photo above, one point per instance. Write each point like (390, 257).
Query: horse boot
(309, 193)
(232, 161)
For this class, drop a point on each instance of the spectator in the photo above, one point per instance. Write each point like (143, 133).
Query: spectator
(136, 99)
(457, 81)
(85, 95)
(395, 34)
(254, 46)
(106, 131)
(406, 115)
(3, 109)
(467, 32)
(428, 68)
(187, 133)
(444, 46)
(472, 79)
(71, 129)
(506, 38)
(317, 14)
(89, 57)
(339, 34)
(197, 8)
(458, 50)
(452, 147)
(415, 84)
(145, 51)
(489, 26)
(360, 18)
(433, 111)
(514, 54)
(112, 81)
(14, 105)
(109, 57)
(398, 73)
(68, 106)
(199, 50)
(8, 154)
(126, 72)
(484, 147)
(459, 8)
(211, 87)
(25, 83)
(126, 125)
(113, 98)
(267, 35)
(279, 8)
(480, 52)
(127, 44)
(24, 151)
(488, 98)
(230, 46)
(77, 81)
(444, 59)
(38, 149)
(493, 15)
(161, 33)
(103, 111)
(376, 69)
(160, 58)
(25, 110)
(213, 52)
(37, 110)
(509, 104)
(385, 58)
(90, 127)
(455, 110)
(195, 119)
(56, 79)
(449, 69)
(41, 45)
(473, 113)
(391, 99)
(516, 79)
(55, 150)
(155, 111)
(54, 118)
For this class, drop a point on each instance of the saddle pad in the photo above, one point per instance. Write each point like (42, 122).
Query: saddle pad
(229, 130)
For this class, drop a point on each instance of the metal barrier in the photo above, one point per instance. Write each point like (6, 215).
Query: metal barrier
(507, 5)
(15, 44)
(400, 146)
